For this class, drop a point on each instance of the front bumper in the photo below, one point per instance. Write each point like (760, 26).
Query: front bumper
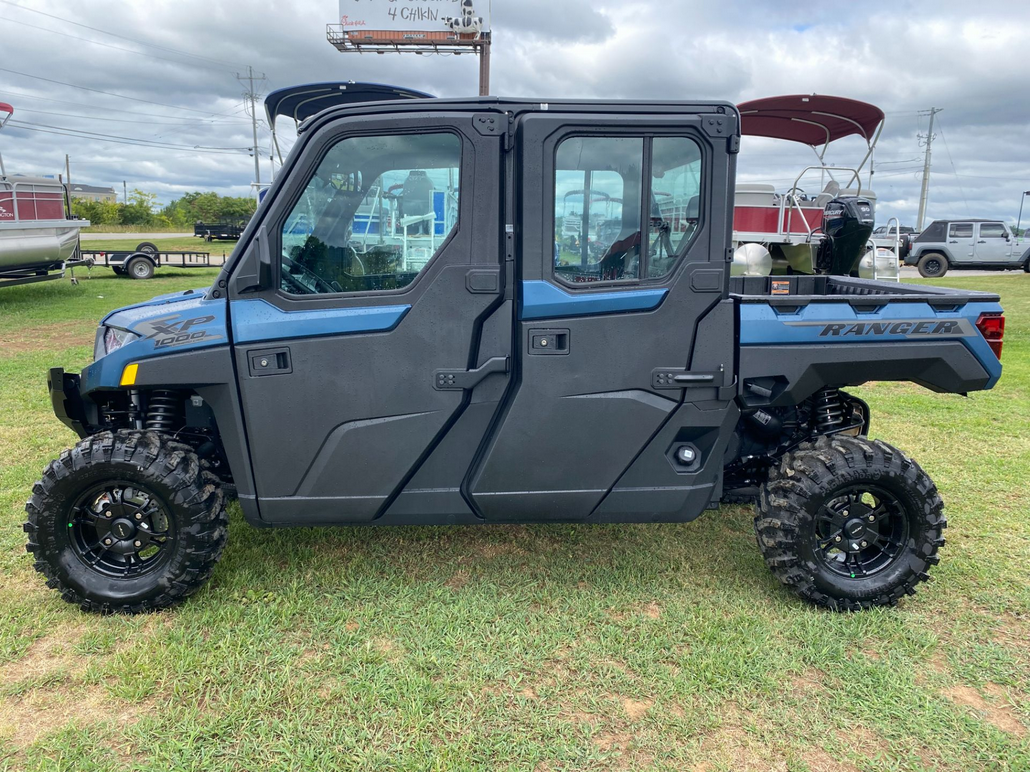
(67, 400)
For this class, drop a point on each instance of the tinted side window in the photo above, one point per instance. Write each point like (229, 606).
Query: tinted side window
(675, 200)
(961, 230)
(373, 215)
(992, 230)
(597, 208)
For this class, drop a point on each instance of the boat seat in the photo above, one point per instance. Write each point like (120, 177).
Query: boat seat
(755, 194)
(829, 193)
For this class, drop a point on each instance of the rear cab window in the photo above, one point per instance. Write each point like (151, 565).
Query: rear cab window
(625, 208)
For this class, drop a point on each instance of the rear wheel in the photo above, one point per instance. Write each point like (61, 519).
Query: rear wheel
(933, 265)
(848, 523)
(126, 522)
(140, 268)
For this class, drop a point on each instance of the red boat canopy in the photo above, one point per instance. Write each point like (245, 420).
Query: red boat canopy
(5, 108)
(810, 119)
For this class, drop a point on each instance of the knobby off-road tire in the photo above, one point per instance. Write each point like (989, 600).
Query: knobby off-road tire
(126, 522)
(882, 505)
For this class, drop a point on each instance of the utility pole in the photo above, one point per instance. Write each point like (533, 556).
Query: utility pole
(250, 96)
(924, 192)
(125, 192)
(67, 170)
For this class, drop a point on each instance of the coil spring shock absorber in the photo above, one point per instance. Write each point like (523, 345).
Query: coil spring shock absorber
(163, 411)
(830, 411)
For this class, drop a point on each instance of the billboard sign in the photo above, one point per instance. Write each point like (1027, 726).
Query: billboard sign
(466, 17)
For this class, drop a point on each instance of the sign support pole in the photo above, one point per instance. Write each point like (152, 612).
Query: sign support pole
(484, 67)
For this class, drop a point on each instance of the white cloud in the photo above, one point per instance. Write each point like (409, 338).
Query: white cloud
(905, 56)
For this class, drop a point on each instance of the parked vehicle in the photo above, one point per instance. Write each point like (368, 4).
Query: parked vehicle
(144, 260)
(492, 380)
(954, 244)
(226, 230)
(37, 235)
(794, 231)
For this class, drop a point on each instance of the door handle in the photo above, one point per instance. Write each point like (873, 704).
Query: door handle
(457, 380)
(953, 242)
(981, 241)
(269, 361)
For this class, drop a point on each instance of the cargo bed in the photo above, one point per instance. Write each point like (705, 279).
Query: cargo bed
(799, 290)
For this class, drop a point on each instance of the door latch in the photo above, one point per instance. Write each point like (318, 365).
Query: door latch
(457, 380)
(269, 361)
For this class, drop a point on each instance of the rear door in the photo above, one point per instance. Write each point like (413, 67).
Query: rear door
(992, 243)
(353, 354)
(960, 241)
(622, 255)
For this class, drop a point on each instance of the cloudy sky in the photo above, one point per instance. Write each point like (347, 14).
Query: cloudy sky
(173, 118)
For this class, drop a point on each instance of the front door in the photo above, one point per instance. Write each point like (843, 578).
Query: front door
(623, 245)
(992, 243)
(354, 364)
(960, 242)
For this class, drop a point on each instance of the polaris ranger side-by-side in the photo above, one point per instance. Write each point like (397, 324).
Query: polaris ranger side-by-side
(408, 333)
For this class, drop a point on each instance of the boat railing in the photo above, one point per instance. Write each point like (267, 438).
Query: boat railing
(27, 199)
(789, 202)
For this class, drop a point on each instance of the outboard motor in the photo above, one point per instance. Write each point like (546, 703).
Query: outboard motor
(847, 223)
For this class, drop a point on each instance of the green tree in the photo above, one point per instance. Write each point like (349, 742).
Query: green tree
(140, 209)
(97, 212)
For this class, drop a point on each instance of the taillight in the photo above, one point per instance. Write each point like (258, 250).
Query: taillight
(992, 326)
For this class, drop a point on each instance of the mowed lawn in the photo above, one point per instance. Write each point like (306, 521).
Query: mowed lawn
(542, 648)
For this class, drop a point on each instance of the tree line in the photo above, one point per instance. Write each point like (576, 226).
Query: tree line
(142, 209)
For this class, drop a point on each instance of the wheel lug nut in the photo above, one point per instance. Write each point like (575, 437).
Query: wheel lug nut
(107, 541)
(865, 544)
(139, 516)
(836, 538)
(138, 543)
(872, 518)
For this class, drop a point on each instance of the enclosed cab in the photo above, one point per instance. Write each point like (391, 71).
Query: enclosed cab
(412, 331)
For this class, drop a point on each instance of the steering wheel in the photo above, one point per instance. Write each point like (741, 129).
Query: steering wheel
(798, 194)
(302, 280)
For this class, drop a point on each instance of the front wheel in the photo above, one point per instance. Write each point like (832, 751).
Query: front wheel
(849, 523)
(932, 265)
(126, 522)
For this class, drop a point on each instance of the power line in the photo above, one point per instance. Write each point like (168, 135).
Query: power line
(115, 34)
(134, 143)
(115, 136)
(955, 170)
(108, 45)
(108, 93)
(124, 120)
(38, 98)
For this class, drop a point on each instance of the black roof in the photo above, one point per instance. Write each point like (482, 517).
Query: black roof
(971, 219)
(516, 105)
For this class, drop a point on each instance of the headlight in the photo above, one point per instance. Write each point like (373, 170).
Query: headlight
(112, 340)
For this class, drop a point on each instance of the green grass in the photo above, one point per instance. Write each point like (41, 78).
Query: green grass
(551, 647)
